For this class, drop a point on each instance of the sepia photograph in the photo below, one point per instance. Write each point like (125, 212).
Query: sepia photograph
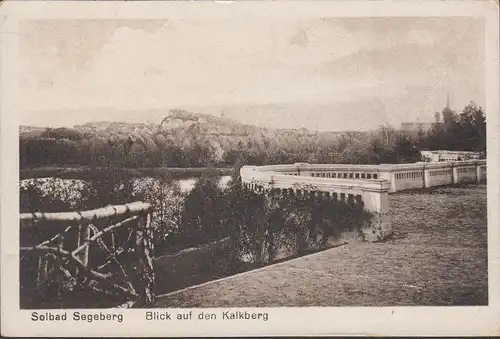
(245, 162)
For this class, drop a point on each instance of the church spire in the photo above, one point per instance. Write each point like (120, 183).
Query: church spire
(447, 113)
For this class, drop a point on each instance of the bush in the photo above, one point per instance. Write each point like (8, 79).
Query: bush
(166, 201)
(50, 195)
(204, 212)
(262, 226)
(112, 187)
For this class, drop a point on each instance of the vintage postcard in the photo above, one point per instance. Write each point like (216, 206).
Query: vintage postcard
(219, 168)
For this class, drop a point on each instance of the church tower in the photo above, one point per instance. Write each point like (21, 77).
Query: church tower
(447, 113)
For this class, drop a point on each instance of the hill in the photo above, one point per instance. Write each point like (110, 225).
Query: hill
(175, 120)
(181, 139)
(192, 122)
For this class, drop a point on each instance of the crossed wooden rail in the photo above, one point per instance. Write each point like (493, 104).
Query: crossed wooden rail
(124, 264)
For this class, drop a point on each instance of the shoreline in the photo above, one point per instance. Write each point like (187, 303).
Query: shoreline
(85, 172)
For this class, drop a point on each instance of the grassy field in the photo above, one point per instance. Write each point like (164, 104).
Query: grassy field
(437, 256)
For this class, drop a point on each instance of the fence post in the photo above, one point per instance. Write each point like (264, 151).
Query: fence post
(42, 269)
(83, 236)
(144, 252)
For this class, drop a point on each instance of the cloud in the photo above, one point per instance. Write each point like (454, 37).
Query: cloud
(207, 62)
(220, 62)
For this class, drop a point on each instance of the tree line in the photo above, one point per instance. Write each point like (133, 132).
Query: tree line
(162, 147)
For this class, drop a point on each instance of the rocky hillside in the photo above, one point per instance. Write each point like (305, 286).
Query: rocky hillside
(179, 120)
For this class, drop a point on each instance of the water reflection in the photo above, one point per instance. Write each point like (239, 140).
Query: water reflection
(69, 190)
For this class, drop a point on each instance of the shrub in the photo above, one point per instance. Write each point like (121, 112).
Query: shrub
(112, 187)
(204, 212)
(166, 205)
(263, 227)
(50, 195)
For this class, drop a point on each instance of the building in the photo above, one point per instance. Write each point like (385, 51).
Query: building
(441, 156)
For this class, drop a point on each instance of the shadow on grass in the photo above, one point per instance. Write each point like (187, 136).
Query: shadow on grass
(206, 263)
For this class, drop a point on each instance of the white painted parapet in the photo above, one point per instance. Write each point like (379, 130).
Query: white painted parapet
(405, 176)
(372, 194)
(400, 176)
(439, 174)
(465, 172)
(366, 184)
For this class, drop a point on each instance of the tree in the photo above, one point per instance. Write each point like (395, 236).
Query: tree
(406, 150)
(473, 128)
(202, 218)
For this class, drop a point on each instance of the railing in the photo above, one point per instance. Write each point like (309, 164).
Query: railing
(338, 189)
(366, 184)
(400, 176)
(372, 194)
(106, 252)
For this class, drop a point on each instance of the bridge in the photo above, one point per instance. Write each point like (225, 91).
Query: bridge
(368, 185)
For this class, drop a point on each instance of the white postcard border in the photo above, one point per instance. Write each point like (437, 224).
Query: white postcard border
(282, 321)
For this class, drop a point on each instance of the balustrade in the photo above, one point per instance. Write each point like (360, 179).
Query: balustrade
(400, 176)
(366, 184)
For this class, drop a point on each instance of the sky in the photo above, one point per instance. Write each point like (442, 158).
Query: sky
(319, 73)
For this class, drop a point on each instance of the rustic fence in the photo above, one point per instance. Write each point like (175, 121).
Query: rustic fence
(97, 258)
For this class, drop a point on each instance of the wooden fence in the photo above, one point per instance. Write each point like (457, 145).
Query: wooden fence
(102, 255)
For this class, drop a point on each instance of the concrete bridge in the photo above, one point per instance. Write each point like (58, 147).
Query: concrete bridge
(361, 184)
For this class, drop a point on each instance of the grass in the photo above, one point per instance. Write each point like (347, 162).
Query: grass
(437, 256)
